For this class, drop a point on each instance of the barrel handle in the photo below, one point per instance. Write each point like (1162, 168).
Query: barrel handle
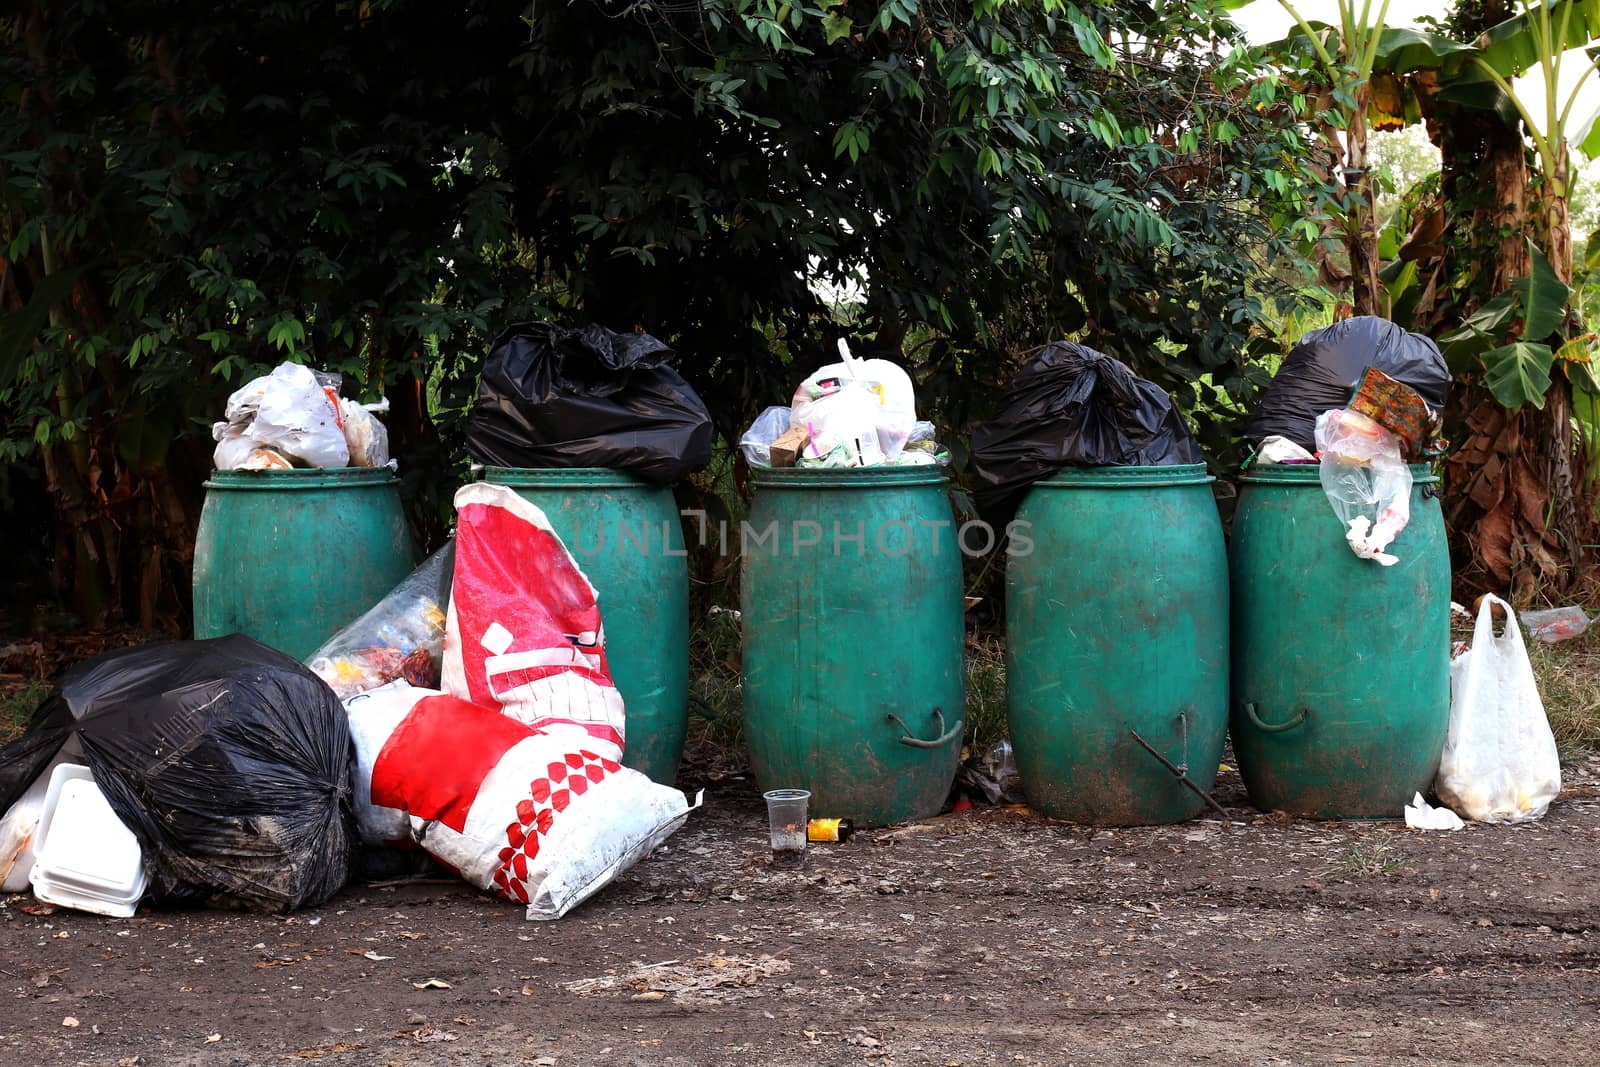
(944, 738)
(1277, 728)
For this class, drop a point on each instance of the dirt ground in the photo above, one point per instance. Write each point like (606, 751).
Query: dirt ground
(987, 937)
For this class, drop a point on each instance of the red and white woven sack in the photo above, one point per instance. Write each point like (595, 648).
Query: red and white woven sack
(523, 631)
(509, 808)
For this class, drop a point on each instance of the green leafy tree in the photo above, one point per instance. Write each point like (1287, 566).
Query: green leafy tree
(377, 186)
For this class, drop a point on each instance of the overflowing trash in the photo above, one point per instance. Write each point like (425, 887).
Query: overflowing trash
(1500, 763)
(1557, 624)
(1071, 406)
(402, 636)
(295, 417)
(587, 397)
(1366, 480)
(854, 413)
(228, 761)
(1326, 371)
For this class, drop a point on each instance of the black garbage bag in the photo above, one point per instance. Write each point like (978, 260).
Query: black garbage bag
(1073, 407)
(228, 760)
(1323, 370)
(587, 397)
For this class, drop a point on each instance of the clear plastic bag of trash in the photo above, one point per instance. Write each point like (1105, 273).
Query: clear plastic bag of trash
(1500, 762)
(401, 636)
(1557, 624)
(1366, 480)
(364, 435)
(756, 444)
(856, 413)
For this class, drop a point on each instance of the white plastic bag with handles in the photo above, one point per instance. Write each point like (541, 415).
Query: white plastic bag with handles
(858, 411)
(1500, 763)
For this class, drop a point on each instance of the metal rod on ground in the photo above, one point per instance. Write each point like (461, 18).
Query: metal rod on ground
(1182, 776)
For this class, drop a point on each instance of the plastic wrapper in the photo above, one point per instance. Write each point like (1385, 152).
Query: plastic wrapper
(1282, 450)
(1071, 406)
(587, 397)
(229, 761)
(1556, 624)
(1366, 480)
(756, 444)
(992, 777)
(1500, 762)
(400, 637)
(364, 435)
(1324, 370)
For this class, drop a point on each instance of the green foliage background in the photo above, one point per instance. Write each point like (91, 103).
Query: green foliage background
(192, 193)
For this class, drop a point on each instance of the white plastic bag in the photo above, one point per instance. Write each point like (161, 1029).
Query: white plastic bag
(289, 410)
(756, 444)
(1277, 449)
(858, 412)
(1366, 480)
(1420, 815)
(1500, 763)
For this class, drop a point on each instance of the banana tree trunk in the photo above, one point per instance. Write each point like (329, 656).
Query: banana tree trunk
(1361, 224)
(1558, 228)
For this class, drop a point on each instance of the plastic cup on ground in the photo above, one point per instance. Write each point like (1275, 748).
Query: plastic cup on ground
(786, 818)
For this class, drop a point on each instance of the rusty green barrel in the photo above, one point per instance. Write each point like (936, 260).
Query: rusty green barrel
(290, 556)
(627, 537)
(853, 639)
(1341, 666)
(1116, 631)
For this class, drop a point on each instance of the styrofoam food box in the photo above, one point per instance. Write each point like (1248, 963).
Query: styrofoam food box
(88, 858)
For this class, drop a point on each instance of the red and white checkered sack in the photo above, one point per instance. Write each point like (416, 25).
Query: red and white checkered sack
(509, 808)
(523, 631)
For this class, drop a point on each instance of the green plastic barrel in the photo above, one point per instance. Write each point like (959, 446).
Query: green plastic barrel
(627, 537)
(291, 556)
(1117, 631)
(853, 639)
(1341, 666)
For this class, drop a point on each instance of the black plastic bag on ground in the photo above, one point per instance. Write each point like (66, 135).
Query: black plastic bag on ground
(1324, 369)
(1073, 407)
(587, 397)
(228, 760)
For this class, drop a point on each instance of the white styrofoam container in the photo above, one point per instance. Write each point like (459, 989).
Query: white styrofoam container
(87, 858)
